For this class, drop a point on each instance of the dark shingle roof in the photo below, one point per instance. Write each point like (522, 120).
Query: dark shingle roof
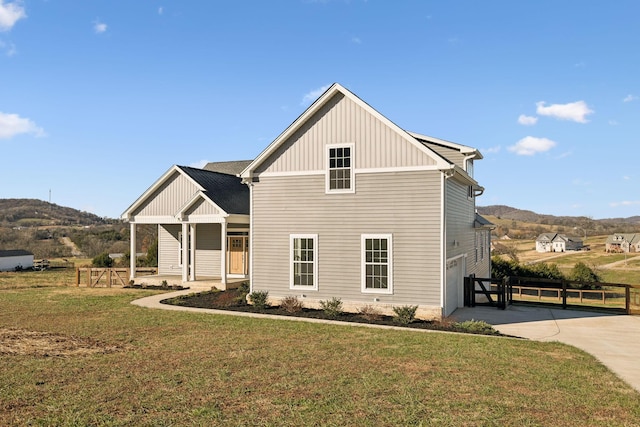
(230, 168)
(226, 191)
(14, 252)
(482, 222)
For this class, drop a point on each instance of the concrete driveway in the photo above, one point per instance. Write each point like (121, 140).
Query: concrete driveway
(612, 339)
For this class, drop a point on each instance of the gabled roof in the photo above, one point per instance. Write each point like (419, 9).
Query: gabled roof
(441, 162)
(14, 252)
(230, 168)
(546, 236)
(463, 149)
(621, 237)
(226, 191)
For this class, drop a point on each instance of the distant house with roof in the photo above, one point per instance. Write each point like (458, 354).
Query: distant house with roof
(555, 242)
(19, 259)
(622, 242)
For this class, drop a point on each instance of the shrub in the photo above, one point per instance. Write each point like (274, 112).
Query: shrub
(370, 313)
(581, 272)
(475, 327)
(291, 304)
(259, 299)
(405, 314)
(243, 291)
(332, 308)
(102, 260)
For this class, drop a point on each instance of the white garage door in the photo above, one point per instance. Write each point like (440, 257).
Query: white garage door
(453, 292)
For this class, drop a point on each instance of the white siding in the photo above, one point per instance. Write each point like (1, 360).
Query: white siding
(202, 207)
(343, 121)
(171, 196)
(208, 250)
(460, 231)
(168, 262)
(406, 205)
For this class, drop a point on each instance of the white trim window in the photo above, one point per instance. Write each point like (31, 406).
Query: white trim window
(377, 263)
(304, 261)
(340, 169)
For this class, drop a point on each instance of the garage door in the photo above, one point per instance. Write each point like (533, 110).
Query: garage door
(453, 291)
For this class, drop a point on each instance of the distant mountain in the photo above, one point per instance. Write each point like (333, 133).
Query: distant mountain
(631, 224)
(34, 212)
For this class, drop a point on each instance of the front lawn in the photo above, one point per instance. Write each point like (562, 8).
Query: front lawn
(82, 356)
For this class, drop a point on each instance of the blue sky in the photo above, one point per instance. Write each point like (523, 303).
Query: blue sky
(99, 98)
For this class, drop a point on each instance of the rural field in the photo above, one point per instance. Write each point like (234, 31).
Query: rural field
(81, 356)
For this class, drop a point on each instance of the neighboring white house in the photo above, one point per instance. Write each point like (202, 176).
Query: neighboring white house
(554, 242)
(344, 203)
(16, 258)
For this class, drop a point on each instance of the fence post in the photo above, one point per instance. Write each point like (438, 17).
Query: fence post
(77, 276)
(627, 299)
(564, 294)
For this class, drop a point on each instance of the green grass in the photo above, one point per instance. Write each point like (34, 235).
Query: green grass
(177, 368)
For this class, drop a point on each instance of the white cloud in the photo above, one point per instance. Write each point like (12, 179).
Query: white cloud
(626, 178)
(495, 149)
(625, 203)
(530, 145)
(527, 120)
(12, 125)
(9, 48)
(10, 13)
(160, 10)
(199, 164)
(629, 98)
(313, 95)
(574, 111)
(99, 27)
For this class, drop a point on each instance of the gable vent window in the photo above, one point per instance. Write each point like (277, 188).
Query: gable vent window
(340, 169)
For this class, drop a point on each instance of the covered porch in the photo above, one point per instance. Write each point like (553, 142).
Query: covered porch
(202, 219)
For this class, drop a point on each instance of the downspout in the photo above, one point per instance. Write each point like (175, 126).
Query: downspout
(446, 174)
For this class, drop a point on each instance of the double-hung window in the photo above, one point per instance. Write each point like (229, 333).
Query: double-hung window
(340, 176)
(377, 257)
(304, 261)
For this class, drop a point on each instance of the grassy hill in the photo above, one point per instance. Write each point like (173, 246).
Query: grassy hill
(43, 228)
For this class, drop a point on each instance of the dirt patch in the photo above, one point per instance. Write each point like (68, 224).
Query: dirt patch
(19, 342)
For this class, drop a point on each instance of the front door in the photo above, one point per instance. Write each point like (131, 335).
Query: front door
(238, 254)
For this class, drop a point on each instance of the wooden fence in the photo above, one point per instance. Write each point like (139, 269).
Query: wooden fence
(613, 296)
(108, 277)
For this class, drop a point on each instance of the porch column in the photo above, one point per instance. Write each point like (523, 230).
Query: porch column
(192, 255)
(132, 251)
(223, 252)
(185, 252)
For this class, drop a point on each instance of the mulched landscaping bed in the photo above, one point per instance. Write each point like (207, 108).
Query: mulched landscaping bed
(233, 300)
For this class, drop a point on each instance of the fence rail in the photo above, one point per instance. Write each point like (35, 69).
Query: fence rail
(614, 296)
(96, 277)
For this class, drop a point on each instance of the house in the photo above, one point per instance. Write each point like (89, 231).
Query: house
(555, 242)
(622, 243)
(344, 203)
(202, 217)
(544, 242)
(15, 259)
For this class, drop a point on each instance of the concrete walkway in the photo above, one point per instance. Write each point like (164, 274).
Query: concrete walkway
(612, 339)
